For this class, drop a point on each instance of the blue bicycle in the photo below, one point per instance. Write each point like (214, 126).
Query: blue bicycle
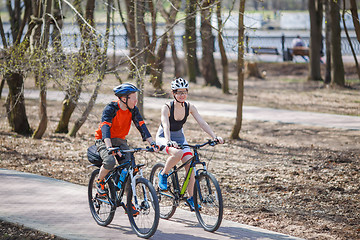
(142, 206)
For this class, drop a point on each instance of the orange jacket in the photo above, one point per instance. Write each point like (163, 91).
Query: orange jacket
(115, 122)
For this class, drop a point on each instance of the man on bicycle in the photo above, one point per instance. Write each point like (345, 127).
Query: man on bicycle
(115, 126)
(171, 134)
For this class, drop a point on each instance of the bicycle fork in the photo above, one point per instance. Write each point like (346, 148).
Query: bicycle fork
(133, 187)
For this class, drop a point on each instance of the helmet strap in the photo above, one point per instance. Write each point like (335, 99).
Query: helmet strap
(126, 103)
(182, 103)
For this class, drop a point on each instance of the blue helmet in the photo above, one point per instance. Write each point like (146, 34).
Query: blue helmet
(125, 89)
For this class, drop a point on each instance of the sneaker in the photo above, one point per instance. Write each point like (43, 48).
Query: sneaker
(134, 211)
(100, 185)
(162, 181)
(190, 203)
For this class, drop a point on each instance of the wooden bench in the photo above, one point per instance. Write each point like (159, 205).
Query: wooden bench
(265, 50)
(299, 51)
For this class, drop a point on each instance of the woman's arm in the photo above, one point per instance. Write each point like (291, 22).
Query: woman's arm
(201, 121)
(165, 121)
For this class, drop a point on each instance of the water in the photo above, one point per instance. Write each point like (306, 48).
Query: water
(71, 38)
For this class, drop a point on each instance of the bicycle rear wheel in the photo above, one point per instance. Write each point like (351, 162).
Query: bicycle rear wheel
(100, 207)
(144, 219)
(167, 202)
(207, 194)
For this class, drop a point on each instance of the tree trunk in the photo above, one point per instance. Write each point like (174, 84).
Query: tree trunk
(36, 31)
(40, 130)
(158, 67)
(130, 9)
(224, 60)
(355, 17)
(348, 36)
(2, 33)
(207, 42)
(103, 66)
(190, 40)
(240, 96)
(15, 104)
(328, 42)
(56, 33)
(178, 72)
(157, 72)
(316, 18)
(14, 10)
(337, 66)
(140, 45)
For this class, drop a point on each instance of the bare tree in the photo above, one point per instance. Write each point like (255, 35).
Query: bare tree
(157, 67)
(102, 63)
(327, 42)
(82, 65)
(13, 67)
(190, 40)
(337, 65)
(3, 38)
(140, 45)
(42, 72)
(316, 19)
(207, 42)
(224, 60)
(57, 21)
(355, 17)
(240, 96)
(353, 9)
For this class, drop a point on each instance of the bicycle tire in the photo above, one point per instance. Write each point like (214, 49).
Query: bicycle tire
(167, 202)
(101, 208)
(207, 194)
(146, 221)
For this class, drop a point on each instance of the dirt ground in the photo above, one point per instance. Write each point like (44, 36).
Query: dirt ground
(298, 180)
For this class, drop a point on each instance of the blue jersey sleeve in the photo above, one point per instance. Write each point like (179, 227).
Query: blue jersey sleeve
(140, 124)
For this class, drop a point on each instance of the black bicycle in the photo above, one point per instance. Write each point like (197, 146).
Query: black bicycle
(208, 201)
(142, 205)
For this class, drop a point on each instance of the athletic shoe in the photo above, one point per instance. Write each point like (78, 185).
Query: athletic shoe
(133, 210)
(162, 181)
(100, 185)
(190, 203)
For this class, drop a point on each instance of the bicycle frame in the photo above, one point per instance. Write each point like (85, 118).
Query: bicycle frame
(180, 192)
(134, 172)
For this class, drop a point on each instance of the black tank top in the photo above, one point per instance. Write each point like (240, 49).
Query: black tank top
(177, 125)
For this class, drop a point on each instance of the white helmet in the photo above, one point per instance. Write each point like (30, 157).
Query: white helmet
(179, 83)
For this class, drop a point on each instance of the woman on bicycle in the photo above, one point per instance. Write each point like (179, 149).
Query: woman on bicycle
(171, 134)
(114, 127)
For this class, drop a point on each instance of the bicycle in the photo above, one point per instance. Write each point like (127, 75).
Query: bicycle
(208, 201)
(142, 206)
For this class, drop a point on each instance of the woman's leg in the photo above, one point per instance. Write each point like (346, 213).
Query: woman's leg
(190, 188)
(175, 157)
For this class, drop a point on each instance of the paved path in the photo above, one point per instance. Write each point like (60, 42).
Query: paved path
(61, 208)
(229, 110)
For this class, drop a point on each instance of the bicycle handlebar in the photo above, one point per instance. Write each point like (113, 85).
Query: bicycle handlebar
(117, 149)
(197, 146)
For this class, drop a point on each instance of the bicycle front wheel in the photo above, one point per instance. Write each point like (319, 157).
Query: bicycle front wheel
(101, 208)
(143, 208)
(167, 201)
(208, 202)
